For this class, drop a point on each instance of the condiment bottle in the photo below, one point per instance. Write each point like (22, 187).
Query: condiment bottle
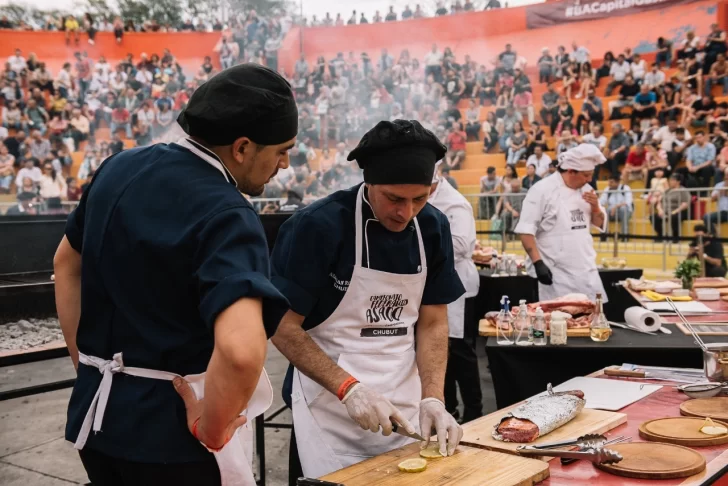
(539, 328)
(523, 326)
(600, 330)
(504, 331)
(558, 329)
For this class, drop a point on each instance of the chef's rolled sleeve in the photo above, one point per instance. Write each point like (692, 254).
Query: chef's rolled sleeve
(74, 225)
(305, 250)
(232, 263)
(443, 285)
(531, 213)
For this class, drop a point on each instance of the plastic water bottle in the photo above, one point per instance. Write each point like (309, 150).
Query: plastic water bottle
(523, 326)
(504, 330)
(539, 328)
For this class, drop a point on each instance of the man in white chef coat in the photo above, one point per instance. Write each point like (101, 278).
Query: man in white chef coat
(555, 227)
(462, 362)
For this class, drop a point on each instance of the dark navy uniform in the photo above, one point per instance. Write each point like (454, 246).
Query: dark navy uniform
(313, 258)
(167, 243)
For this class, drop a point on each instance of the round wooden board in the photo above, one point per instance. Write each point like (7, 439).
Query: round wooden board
(715, 408)
(654, 460)
(682, 431)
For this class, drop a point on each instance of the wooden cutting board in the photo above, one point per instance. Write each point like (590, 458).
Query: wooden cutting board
(485, 328)
(467, 467)
(682, 431)
(478, 432)
(654, 460)
(710, 283)
(715, 408)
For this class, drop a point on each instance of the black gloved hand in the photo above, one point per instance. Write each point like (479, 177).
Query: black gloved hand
(543, 274)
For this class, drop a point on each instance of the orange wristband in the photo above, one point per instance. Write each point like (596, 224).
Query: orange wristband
(345, 386)
(194, 434)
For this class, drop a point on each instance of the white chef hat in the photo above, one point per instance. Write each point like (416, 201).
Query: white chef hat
(583, 157)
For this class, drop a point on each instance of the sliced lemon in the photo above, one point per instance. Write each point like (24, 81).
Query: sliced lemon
(412, 465)
(711, 428)
(432, 451)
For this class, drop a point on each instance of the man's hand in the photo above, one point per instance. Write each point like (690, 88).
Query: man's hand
(692, 169)
(371, 410)
(211, 439)
(591, 198)
(449, 432)
(613, 211)
(515, 213)
(543, 274)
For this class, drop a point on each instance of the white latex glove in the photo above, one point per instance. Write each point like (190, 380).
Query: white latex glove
(449, 432)
(371, 410)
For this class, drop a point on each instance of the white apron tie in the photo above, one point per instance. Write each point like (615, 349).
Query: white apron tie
(234, 459)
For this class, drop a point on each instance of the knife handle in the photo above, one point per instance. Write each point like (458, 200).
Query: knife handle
(315, 482)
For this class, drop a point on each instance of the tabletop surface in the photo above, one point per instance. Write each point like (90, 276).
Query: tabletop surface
(663, 403)
(621, 338)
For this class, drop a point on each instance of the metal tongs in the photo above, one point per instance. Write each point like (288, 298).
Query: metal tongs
(591, 448)
(588, 441)
(698, 340)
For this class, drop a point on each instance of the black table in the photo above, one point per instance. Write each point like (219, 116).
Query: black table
(524, 287)
(520, 372)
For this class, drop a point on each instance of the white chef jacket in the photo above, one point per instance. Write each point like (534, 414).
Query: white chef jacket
(559, 218)
(459, 213)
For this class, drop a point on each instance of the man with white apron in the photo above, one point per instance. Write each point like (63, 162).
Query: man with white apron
(164, 297)
(462, 362)
(369, 272)
(555, 223)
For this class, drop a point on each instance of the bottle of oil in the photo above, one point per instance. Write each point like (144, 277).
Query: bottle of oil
(600, 330)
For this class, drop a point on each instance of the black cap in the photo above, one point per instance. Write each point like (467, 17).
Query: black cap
(247, 100)
(398, 152)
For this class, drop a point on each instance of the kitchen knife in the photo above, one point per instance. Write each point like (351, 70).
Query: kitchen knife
(401, 431)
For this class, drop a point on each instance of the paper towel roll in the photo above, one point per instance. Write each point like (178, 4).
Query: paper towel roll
(642, 319)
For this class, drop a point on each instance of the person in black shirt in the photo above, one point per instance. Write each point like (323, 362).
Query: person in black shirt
(715, 264)
(715, 43)
(701, 111)
(162, 276)
(391, 15)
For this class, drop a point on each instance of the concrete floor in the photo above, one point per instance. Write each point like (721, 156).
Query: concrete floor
(33, 451)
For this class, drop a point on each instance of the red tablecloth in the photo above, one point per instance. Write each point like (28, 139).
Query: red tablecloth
(663, 403)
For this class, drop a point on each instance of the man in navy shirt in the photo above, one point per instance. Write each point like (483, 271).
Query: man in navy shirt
(368, 272)
(163, 273)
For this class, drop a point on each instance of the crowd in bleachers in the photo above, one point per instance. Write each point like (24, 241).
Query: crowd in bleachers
(652, 120)
(407, 13)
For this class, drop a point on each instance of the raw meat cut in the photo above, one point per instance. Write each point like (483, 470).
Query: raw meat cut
(539, 416)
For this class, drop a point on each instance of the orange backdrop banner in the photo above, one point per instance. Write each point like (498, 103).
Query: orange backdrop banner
(395, 36)
(51, 46)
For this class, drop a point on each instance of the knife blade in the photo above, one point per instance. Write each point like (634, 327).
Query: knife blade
(401, 431)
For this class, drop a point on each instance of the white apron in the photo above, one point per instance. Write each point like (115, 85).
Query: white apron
(568, 250)
(235, 460)
(371, 335)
